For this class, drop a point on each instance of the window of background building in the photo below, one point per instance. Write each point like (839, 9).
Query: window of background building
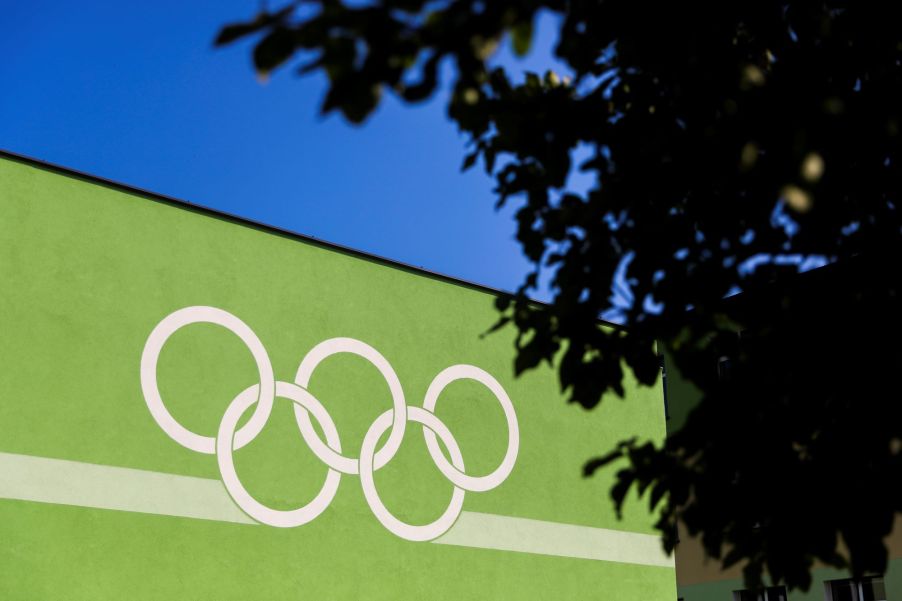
(863, 589)
(724, 368)
(771, 593)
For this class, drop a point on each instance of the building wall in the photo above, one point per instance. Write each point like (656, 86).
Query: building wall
(99, 500)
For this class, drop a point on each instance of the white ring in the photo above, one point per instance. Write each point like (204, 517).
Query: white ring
(393, 524)
(329, 456)
(452, 472)
(151, 354)
(244, 500)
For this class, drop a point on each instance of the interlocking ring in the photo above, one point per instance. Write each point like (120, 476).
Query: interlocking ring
(225, 440)
(151, 354)
(452, 472)
(230, 438)
(316, 355)
(394, 525)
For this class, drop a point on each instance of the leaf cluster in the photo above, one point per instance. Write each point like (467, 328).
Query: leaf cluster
(728, 144)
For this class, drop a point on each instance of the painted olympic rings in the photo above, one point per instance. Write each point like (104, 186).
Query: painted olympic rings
(307, 408)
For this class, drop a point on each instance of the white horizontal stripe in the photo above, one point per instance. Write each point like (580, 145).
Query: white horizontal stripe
(105, 487)
(63, 482)
(504, 533)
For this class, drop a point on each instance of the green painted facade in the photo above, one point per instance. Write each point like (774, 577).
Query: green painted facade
(87, 270)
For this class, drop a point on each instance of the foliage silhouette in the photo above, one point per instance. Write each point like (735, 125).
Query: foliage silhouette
(730, 144)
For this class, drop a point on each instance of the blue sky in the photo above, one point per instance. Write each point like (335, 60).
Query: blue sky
(135, 92)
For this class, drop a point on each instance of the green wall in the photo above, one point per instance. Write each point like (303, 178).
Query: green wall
(88, 270)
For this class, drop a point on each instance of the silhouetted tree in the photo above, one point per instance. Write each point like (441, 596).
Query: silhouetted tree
(729, 144)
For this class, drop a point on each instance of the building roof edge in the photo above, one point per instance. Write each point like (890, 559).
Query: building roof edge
(272, 229)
